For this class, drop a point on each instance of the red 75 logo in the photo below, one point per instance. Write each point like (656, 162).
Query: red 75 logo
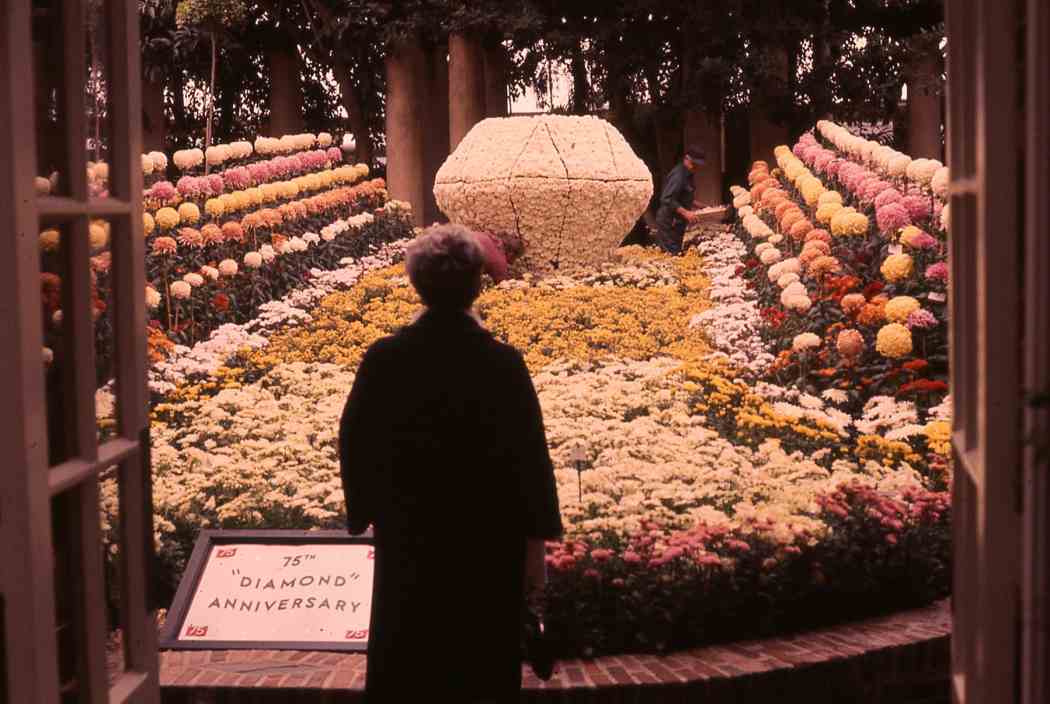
(227, 552)
(196, 631)
(357, 635)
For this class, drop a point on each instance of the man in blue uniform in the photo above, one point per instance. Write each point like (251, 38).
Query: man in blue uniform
(676, 202)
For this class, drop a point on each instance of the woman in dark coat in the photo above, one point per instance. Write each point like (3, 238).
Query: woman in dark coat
(443, 452)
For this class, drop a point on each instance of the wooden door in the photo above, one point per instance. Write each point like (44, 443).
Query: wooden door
(53, 591)
(985, 137)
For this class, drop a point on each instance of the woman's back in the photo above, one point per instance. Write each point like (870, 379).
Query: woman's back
(444, 453)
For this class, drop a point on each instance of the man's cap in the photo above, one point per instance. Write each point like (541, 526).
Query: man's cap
(695, 153)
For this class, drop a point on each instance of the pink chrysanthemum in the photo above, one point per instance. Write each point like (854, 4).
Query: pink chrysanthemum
(216, 186)
(918, 207)
(237, 179)
(162, 190)
(891, 218)
(937, 272)
(922, 320)
(335, 155)
(890, 195)
(260, 172)
(190, 187)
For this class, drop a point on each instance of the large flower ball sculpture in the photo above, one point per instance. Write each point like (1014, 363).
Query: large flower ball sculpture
(569, 188)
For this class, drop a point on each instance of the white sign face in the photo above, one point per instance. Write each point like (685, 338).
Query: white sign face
(291, 593)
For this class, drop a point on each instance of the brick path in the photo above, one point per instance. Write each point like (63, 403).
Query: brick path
(898, 659)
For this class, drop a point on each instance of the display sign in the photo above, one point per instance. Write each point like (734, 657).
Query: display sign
(274, 590)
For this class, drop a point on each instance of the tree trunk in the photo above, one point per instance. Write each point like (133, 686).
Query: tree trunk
(496, 65)
(581, 90)
(405, 104)
(924, 108)
(154, 124)
(466, 86)
(211, 100)
(286, 92)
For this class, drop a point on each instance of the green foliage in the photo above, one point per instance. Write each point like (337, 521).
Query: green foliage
(210, 13)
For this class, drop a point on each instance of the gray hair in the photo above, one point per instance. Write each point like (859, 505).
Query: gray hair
(444, 265)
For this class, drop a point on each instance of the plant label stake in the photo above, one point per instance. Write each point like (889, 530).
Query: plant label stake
(579, 456)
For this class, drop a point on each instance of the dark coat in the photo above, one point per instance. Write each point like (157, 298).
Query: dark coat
(443, 451)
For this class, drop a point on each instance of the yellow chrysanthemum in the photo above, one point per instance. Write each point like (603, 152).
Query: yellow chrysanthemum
(830, 197)
(812, 190)
(840, 222)
(897, 267)
(827, 211)
(189, 213)
(900, 307)
(148, 224)
(270, 192)
(167, 218)
(289, 189)
(938, 436)
(214, 207)
(50, 240)
(256, 195)
(98, 234)
(893, 341)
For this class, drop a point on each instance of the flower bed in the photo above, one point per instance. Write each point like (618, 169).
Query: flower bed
(220, 246)
(714, 501)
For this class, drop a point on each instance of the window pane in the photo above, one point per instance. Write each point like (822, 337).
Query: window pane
(96, 102)
(49, 70)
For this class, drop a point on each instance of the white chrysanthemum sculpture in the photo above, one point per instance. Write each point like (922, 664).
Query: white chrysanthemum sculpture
(570, 187)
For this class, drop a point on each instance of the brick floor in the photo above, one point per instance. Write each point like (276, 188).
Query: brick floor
(899, 659)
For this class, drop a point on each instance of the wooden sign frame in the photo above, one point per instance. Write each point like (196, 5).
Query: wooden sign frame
(170, 636)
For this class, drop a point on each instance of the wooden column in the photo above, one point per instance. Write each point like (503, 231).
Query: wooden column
(466, 86)
(286, 93)
(435, 141)
(154, 125)
(766, 131)
(924, 108)
(706, 132)
(405, 105)
(496, 64)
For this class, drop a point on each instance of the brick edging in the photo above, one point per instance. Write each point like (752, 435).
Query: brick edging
(901, 658)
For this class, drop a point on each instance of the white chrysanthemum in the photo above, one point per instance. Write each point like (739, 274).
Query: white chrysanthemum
(152, 297)
(210, 272)
(786, 280)
(899, 165)
(181, 290)
(253, 260)
(835, 396)
(160, 161)
(805, 341)
(147, 165)
(228, 267)
(939, 183)
(569, 187)
(193, 279)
